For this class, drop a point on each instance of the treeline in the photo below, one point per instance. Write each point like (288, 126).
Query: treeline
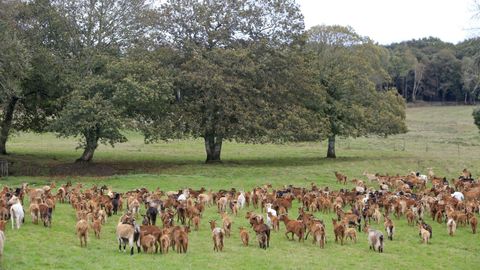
(432, 70)
(221, 70)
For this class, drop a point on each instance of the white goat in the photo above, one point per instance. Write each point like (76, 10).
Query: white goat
(16, 212)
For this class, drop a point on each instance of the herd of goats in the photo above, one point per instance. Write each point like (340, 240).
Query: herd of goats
(413, 196)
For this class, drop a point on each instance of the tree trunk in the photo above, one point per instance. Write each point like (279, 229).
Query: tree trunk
(331, 147)
(91, 144)
(213, 147)
(7, 124)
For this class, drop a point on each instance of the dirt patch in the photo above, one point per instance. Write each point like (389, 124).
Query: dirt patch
(83, 169)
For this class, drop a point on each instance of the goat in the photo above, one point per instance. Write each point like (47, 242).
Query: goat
(389, 227)
(270, 212)
(116, 203)
(244, 236)
(426, 227)
(370, 176)
(82, 231)
(16, 212)
(274, 221)
(234, 207)
(147, 242)
(34, 212)
(339, 230)
(425, 235)
(351, 233)
(134, 206)
(97, 227)
(217, 237)
(164, 242)
(410, 217)
(341, 178)
(180, 238)
(241, 200)
(473, 224)
(263, 235)
(151, 214)
(128, 231)
(45, 214)
(375, 238)
(294, 227)
(430, 174)
(318, 232)
(213, 224)
(262, 239)
(227, 224)
(196, 222)
(451, 226)
(222, 204)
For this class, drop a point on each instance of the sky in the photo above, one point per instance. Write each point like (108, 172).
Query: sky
(388, 21)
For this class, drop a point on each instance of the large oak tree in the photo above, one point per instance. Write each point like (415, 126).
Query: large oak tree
(227, 86)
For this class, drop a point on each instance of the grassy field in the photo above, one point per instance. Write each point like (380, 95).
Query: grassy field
(444, 138)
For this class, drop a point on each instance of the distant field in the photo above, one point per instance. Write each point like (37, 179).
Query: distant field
(444, 138)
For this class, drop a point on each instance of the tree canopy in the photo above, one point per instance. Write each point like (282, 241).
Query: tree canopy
(234, 70)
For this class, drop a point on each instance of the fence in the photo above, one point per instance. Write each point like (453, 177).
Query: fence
(3, 168)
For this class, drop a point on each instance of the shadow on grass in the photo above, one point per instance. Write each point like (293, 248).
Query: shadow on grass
(38, 165)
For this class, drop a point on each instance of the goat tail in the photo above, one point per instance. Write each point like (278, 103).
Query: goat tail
(381, 240)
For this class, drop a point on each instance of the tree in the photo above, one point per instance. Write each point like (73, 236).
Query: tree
(471, 78)
(102, 32)
(14, 67)
(222, 89)
(345, 71)
(443, 76)
(419, 70)
(476, 117)
(402, 62)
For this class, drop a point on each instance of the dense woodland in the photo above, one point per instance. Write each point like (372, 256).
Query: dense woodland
(220, 70)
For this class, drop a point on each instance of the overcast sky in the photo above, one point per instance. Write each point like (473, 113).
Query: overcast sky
(387, 21)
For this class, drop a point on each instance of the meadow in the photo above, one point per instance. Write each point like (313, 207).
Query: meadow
(443, 138)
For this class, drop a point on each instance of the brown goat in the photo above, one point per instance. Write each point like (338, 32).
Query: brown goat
(97, 227)
(244, 236)
(82, 232)
(341, 178)
(196, 222)
(164, 243)
(275, 221)
(410, 217)
(473, 224)
(147, 242)
(213, 224)
(296, 227)
(227, 224)
(180, 238)
(351, 233)
(339, 230)
(318, 232)
(263, 235)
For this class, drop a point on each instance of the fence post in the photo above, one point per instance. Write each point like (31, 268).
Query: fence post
(3, 168)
